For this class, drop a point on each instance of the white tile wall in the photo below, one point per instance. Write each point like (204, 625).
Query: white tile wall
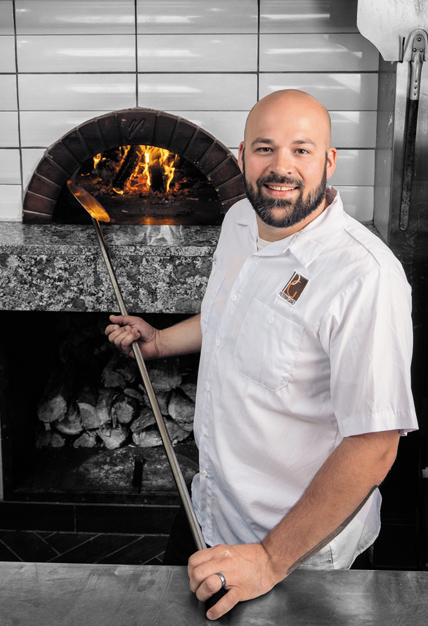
(197, 91)
(353, 129)
(74, 17)
(194, 16)
(317, 52)
(7, 54)
(354, 167)
(10, 168)
(197, 53)
(30, 159)
(226, 126)
(10, 203)
(9, 136)
(6, 18)
(8, 93)
(76, 92)
(358, 202)
(337, 91)
(206, 61)
(76, 53)
(308, 16)
(43, 128)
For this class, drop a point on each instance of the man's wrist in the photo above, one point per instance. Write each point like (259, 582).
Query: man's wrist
(277, 565)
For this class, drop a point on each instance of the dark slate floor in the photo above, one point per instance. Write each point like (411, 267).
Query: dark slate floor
(64, 547)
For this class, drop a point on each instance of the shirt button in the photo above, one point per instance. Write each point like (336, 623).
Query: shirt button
(208, 387)
(271, 320)
(205, 432)
(217, 342)
(204, 473)
(233, 297)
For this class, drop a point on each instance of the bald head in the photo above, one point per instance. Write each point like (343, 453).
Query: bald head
(287, 105)
(286, 159)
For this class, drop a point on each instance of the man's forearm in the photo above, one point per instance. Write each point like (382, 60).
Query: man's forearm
(333, 498)
(183, 338)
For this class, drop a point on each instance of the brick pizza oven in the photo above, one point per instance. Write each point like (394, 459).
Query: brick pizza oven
(54, 281)
(44, 199)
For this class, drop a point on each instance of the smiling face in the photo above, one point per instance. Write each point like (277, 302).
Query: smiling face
(286, 160)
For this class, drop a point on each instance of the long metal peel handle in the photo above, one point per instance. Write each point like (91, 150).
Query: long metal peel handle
(166, 440)
(414, 52)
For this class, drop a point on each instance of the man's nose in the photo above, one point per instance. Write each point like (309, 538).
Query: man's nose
(282, 163)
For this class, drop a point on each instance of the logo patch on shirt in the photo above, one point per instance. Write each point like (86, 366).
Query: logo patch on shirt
(294, 288)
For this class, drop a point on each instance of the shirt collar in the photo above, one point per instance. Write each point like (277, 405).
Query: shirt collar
(309, 242)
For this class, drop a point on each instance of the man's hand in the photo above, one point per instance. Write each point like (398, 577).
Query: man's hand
(126, 329)
(182, 338)
(246, 568)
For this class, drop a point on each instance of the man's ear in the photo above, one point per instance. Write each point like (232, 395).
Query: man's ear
(331, 162)
(241, 156)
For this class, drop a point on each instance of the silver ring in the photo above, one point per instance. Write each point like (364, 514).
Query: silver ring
(222, 578)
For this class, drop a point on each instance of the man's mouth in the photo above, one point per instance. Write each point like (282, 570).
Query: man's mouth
(280, 187)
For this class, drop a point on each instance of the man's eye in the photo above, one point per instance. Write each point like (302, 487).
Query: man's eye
(302, 151)
(264, 149)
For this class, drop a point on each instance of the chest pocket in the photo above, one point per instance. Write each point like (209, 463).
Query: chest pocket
(214, 285)
(267, 346)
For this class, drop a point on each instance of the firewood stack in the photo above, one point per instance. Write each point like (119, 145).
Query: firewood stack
(95, 397)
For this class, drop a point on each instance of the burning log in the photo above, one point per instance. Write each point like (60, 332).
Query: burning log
(127, 168)
(156, 178)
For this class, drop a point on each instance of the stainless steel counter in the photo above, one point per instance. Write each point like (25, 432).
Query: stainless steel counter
(108, 595)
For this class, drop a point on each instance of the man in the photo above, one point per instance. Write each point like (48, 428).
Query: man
(304, 385)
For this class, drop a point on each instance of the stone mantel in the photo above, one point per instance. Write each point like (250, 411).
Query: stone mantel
(59, 267)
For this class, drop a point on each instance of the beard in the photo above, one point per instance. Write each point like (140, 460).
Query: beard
(294, 210)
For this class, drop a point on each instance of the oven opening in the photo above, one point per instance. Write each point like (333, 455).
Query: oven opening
(143, 184)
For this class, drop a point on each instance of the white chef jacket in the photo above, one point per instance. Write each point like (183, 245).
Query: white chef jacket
(305, 342)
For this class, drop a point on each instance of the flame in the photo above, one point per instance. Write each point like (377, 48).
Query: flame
(138, 166)
(97, 159)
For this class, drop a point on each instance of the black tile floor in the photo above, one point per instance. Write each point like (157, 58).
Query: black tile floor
(64, 547)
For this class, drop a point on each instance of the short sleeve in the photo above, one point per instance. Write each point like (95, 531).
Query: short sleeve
(367, 333)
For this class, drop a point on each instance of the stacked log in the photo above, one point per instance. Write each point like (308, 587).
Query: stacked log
(113, 410)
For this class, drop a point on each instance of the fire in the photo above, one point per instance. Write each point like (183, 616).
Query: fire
(142, 169)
